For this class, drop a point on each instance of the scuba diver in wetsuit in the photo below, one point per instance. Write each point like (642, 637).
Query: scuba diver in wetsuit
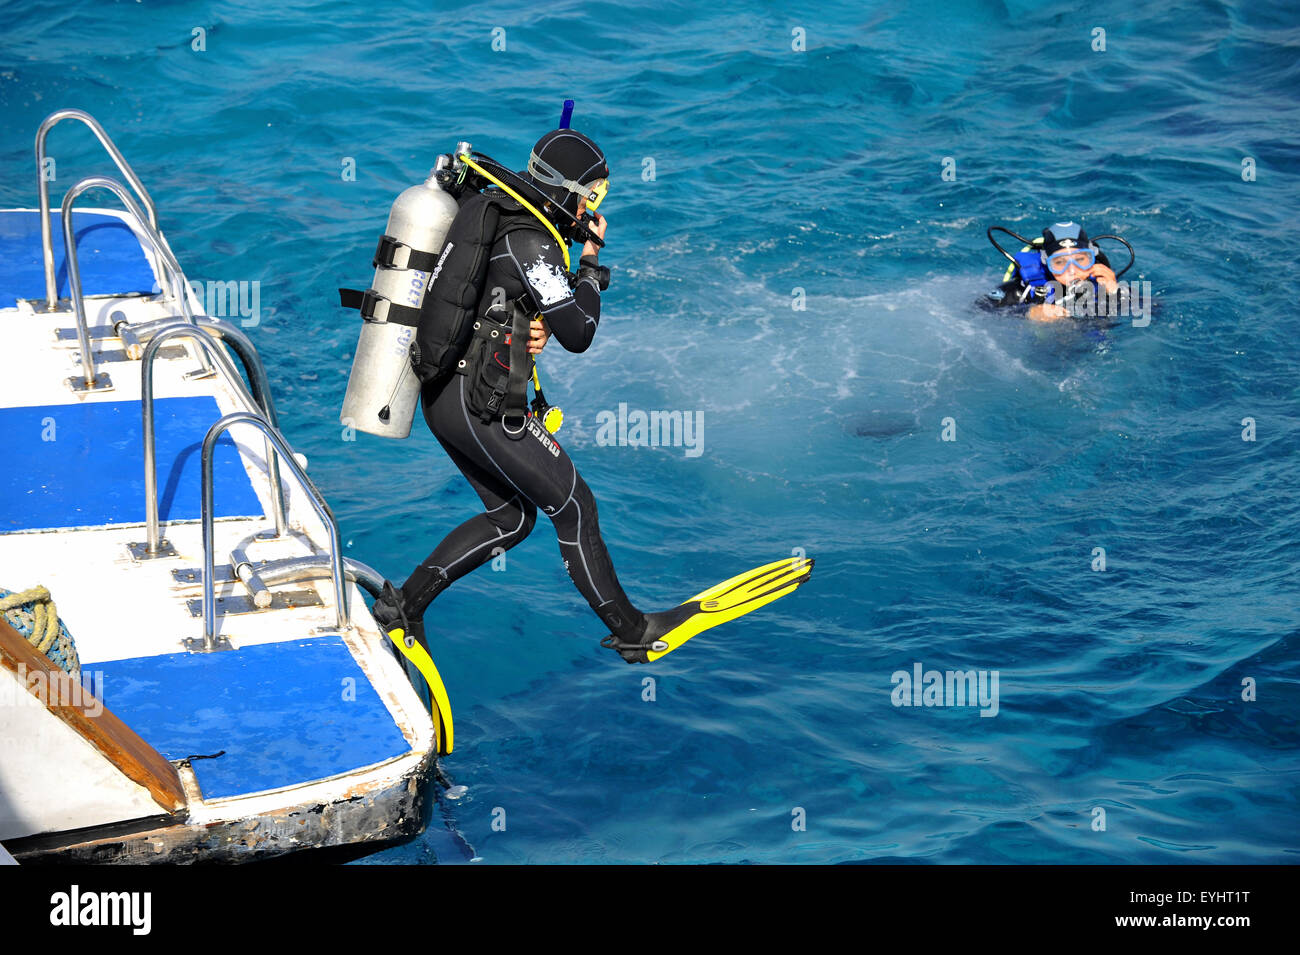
(514, 465)
(1062, 275)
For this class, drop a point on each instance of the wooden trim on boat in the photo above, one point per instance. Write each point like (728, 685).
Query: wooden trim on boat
(119, 744)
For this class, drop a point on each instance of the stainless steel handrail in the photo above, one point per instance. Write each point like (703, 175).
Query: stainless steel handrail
(342, 617)
(180, 286)
(231, 335)
(42, 187)
(290, 570)
(242, 346)
(261, 396)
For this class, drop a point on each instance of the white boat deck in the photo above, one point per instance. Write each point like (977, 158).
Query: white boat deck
(90, 572)
(125, 612)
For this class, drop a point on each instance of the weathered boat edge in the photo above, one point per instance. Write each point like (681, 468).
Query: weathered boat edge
(389, 814)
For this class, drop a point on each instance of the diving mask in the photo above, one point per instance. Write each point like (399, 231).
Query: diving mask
(1062, 259)
(594, 192)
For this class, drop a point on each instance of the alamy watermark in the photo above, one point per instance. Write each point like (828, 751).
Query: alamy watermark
(128, 909)
(921, 687)
(1086, 300)
(651, 429)
(52, 689)
(233, 299)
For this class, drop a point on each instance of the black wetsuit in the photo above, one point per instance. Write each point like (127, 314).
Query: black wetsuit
(516, 477)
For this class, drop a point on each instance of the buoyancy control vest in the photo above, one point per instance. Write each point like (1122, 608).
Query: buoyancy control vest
(458, 282)
(455, 288)
(461, 331)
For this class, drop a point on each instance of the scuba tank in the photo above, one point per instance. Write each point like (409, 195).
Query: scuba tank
(383, 390)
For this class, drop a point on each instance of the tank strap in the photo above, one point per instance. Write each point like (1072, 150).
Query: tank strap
(394, 254)
(375, 308)
(398, 255)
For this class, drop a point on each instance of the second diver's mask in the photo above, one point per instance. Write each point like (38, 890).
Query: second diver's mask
(1062, 259)
(1065, 243)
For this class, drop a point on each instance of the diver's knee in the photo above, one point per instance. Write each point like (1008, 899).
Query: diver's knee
(586, 500)
(514, 519)
(527, 519)
(578, 511)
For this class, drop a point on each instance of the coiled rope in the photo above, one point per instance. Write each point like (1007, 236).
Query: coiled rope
(32, 613)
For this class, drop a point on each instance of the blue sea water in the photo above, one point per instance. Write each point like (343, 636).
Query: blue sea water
(776, 169)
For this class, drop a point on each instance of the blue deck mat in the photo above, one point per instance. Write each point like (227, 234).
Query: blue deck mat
(108, 252)
(281, 711)
(92, 473)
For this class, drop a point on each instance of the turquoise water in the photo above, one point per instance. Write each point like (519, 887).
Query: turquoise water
(819, 170)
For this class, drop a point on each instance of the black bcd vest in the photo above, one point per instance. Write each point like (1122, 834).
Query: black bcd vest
(457, 283)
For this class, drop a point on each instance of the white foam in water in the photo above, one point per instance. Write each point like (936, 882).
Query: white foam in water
(892, 348)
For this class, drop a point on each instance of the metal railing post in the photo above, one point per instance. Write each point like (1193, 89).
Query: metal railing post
(209, 345)
(42, 188)
(342, 617)
(170, 266)
(242, 346)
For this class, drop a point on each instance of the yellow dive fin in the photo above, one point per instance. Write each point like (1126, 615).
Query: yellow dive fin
(442, 706)
(669, 629)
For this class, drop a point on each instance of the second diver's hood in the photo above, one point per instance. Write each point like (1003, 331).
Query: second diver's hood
(1065, 235)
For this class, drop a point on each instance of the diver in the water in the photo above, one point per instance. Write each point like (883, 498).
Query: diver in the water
(514, 465)
(1064, 274)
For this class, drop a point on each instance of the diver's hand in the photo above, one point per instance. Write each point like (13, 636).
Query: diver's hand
(538, 335)
(597, 226)
(1105, 278)
(1048, 312)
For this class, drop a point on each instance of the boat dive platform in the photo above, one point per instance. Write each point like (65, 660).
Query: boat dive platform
(225, 694)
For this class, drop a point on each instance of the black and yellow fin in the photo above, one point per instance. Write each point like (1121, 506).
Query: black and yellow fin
(669, 629)
(420, 658)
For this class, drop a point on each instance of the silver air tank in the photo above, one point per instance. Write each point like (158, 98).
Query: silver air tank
(383, 390)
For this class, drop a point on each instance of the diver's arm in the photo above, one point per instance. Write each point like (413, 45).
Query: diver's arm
(573, 321)
(571, 315)
(1047, 312)
(1007, 298)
